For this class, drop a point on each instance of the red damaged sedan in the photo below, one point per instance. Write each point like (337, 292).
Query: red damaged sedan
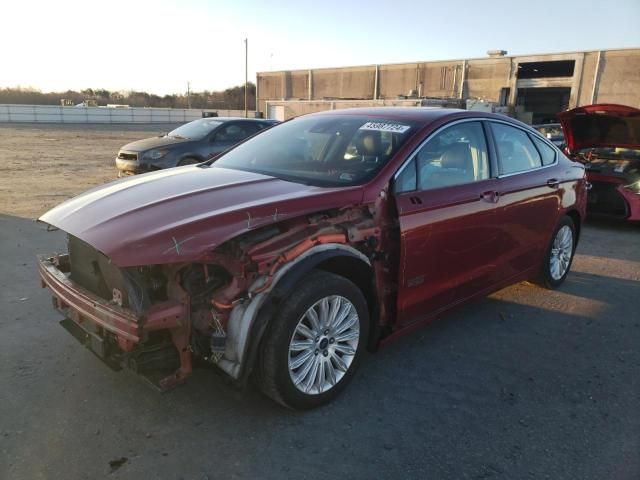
(606, 138)
(301, 247)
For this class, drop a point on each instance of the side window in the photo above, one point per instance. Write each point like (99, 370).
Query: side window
(407, 180)
(516, 152)
(250, 129)
(548, 154)
(230, 134)
(455, 156)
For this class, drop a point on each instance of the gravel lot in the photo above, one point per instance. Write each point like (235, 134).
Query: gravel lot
(42, 165)
(524, 384)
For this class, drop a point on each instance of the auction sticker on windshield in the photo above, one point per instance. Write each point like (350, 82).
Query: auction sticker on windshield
(385, 127)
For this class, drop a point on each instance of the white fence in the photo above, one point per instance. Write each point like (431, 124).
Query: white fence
(55, 114)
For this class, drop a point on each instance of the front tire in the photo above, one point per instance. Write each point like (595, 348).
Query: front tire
(559, 256)
(315, 342)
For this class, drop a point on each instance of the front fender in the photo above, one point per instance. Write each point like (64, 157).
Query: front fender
(249, 319)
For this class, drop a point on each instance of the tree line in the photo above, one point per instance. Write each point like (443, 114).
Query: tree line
(229, 99)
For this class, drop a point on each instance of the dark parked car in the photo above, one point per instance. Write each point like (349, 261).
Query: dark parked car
(606, 139)
(323, 236)
(191, 143)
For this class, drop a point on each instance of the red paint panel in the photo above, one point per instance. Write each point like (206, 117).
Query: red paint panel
(450, 244)
(179, 215)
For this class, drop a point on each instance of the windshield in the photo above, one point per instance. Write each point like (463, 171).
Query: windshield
(194, 130)
(322, 150)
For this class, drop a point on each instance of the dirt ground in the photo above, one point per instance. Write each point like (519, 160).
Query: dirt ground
(525, 384)
(42, 165)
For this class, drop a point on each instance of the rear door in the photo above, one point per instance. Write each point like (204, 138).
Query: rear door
(530, 195)
(446, 199)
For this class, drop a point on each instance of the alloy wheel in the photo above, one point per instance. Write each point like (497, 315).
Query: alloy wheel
(324, 344)
(561, 252)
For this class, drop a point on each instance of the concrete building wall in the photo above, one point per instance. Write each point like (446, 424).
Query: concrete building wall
(442, 79)
(619, 78)
(292, 108)
(344, 83)
(299, 85)
(589, 64)
(270, 87)
(397, 80)
(486, 78)
(611, 76)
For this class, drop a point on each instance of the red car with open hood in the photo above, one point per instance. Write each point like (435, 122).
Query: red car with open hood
(606, 139)
(304, 245)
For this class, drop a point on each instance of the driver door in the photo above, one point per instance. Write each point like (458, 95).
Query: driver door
(227, 136)
(446, 199)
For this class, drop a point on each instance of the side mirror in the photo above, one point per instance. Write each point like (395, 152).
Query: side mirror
(163, 134)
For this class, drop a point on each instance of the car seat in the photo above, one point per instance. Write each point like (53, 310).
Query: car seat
(456, 167)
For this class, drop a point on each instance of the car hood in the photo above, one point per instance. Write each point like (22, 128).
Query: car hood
(603, 125)
(181, 214)
(154, 142)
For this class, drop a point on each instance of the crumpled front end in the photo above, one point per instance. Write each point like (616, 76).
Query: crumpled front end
(153, 318)
(125, 316)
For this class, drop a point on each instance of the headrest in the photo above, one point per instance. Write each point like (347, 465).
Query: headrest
(369, 144)
(457, 155)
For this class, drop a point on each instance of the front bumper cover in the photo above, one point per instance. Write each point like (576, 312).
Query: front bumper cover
(109, 330)
(629, 199)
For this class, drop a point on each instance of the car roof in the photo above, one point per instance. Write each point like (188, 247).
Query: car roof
(421, 115)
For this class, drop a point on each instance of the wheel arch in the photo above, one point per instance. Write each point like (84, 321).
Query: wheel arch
(362, 275)
(574, 215)
(346, 262)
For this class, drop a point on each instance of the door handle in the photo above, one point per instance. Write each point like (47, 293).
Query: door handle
(553, 182)
(490, 196)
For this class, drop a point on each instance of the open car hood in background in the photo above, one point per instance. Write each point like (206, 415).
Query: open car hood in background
(602, 125)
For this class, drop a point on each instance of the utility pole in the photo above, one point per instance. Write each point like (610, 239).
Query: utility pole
(246, 76)
(189, 95)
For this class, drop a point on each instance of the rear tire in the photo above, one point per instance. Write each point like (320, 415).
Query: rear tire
(559, 255)
(314, 343)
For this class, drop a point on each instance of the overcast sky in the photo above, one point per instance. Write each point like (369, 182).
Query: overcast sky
(159, 45)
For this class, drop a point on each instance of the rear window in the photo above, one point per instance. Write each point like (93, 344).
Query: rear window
(548, 154)
(516, 152)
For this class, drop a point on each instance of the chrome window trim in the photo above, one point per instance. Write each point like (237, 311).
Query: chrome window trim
(506, 175)
(527, 130)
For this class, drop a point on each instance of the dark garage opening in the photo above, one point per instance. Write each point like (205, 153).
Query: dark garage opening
(544, 103)
(559, 68)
